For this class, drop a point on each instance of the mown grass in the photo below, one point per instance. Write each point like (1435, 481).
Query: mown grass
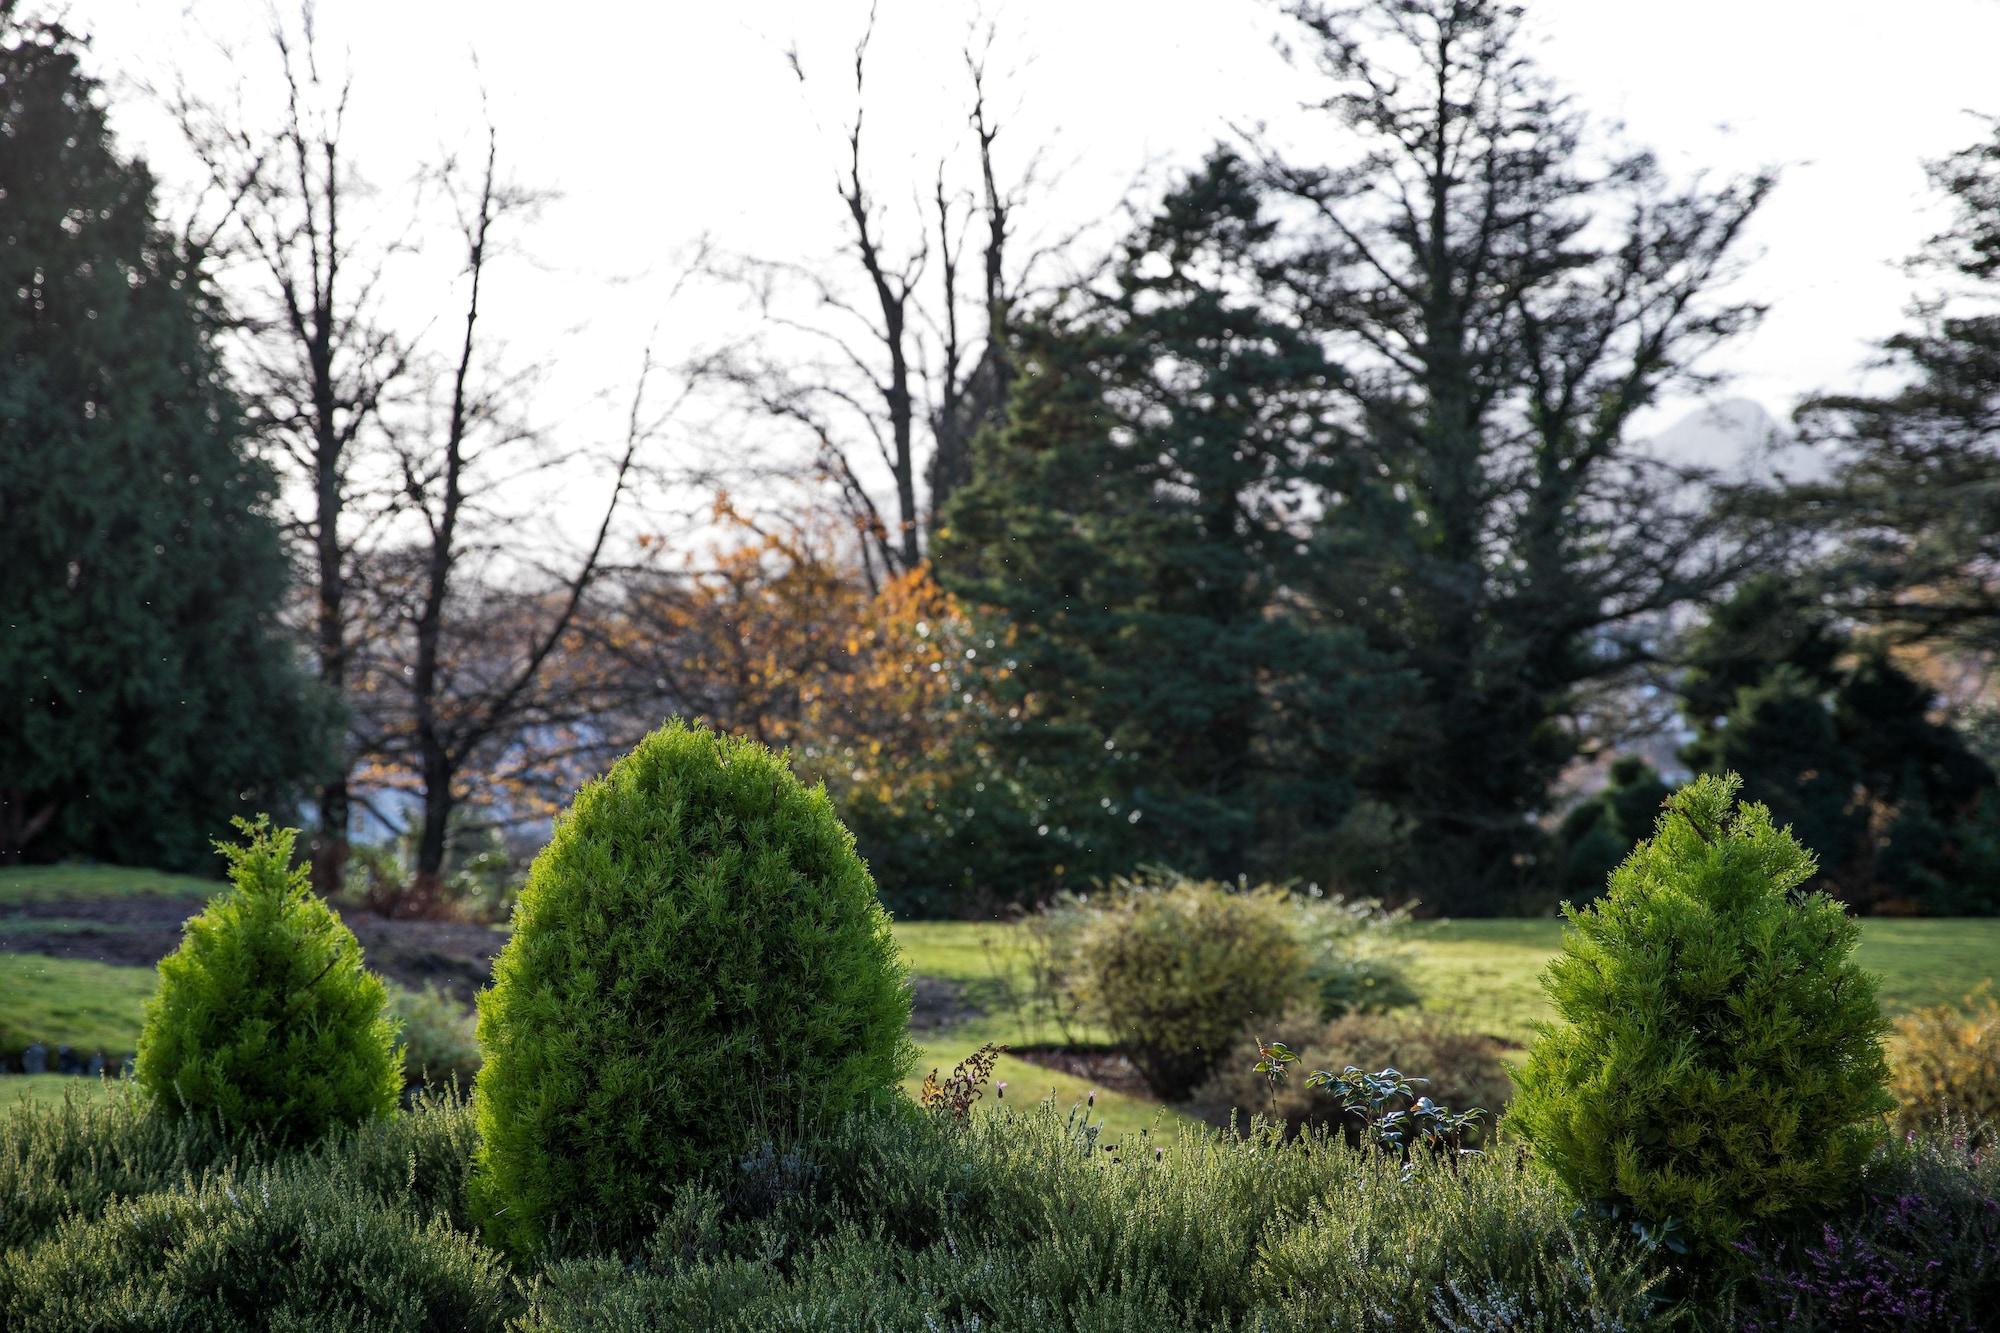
(20, 885)
(86, 1006)
(1487, 974)
(51, 1090)
(1484, 974)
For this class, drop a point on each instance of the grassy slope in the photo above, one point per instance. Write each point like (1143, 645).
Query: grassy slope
(31, 884)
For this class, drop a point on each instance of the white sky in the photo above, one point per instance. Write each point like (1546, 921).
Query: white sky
(659, 123)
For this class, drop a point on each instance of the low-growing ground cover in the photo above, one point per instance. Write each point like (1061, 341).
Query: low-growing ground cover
(1021, 1220)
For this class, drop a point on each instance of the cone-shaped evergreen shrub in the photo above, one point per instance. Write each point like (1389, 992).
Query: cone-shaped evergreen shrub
(1720, 1059)
(698, 959)
(265, 1016)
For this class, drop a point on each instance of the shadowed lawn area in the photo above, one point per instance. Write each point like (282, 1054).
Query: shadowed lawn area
(40, 884)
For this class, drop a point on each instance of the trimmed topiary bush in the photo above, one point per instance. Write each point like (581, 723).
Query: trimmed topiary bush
(1177, 971)
(1720, 1059)
(265, 1018)
(698, 960)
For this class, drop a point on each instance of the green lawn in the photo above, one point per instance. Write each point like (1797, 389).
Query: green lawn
(986, 960)
(50, 1089)
(87, 1006)
(1484, 972)
(32, 884)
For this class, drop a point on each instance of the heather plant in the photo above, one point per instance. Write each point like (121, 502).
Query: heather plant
(1920, 1251)
(265, 1018)
(1719, 1060)
(698, 963)
(1945, 1061)
(1177, 969)
(298, 1247)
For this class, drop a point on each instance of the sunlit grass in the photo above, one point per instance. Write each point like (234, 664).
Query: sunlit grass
(39, 884)
(86, 1006)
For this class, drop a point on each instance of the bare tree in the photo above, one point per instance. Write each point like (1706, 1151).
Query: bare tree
(316, 360)
(914, 348)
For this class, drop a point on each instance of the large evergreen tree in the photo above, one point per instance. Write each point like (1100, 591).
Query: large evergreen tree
(1140, 526)
(1916, 498)
(149, 690)
(1501, 291)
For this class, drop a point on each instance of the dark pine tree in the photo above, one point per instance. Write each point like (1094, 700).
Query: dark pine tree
(1140, 528)
(1501, 290)
(1841, 744)
(1916, 498)
(150, 692)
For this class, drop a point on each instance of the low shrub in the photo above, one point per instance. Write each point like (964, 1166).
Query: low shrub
(76, 1157)
(1358, 954)
(440, 1049)
(265, 1017)
(698, 962)
(297, 1248)
(1945, 1061)
(1920, 1251)
(1719, 1062)
(1175, 970)
(1462, 1069)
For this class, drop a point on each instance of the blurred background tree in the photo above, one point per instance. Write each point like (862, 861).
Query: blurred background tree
(152, 689)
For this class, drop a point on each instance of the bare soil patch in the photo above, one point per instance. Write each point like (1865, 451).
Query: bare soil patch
(1109, 1070)
(139, 931)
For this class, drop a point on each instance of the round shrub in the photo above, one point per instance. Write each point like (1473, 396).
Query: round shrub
(698, 960)
(265, 1018)
(1177, 971)
(1720, 1059)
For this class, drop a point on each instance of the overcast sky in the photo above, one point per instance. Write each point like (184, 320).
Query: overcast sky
(663, 122)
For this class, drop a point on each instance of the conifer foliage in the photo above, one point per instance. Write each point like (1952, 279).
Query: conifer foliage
(150, 692)
(265, 1017)
(1719, 1062)
(699, 961)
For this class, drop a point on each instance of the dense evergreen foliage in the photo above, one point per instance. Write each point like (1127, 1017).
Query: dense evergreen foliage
(265, 1019)
(149, 691)
(698, 963)
(1136, 530)
(1838, 740)
(1916, 499)
(1718, 1061)
(1599, 832)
